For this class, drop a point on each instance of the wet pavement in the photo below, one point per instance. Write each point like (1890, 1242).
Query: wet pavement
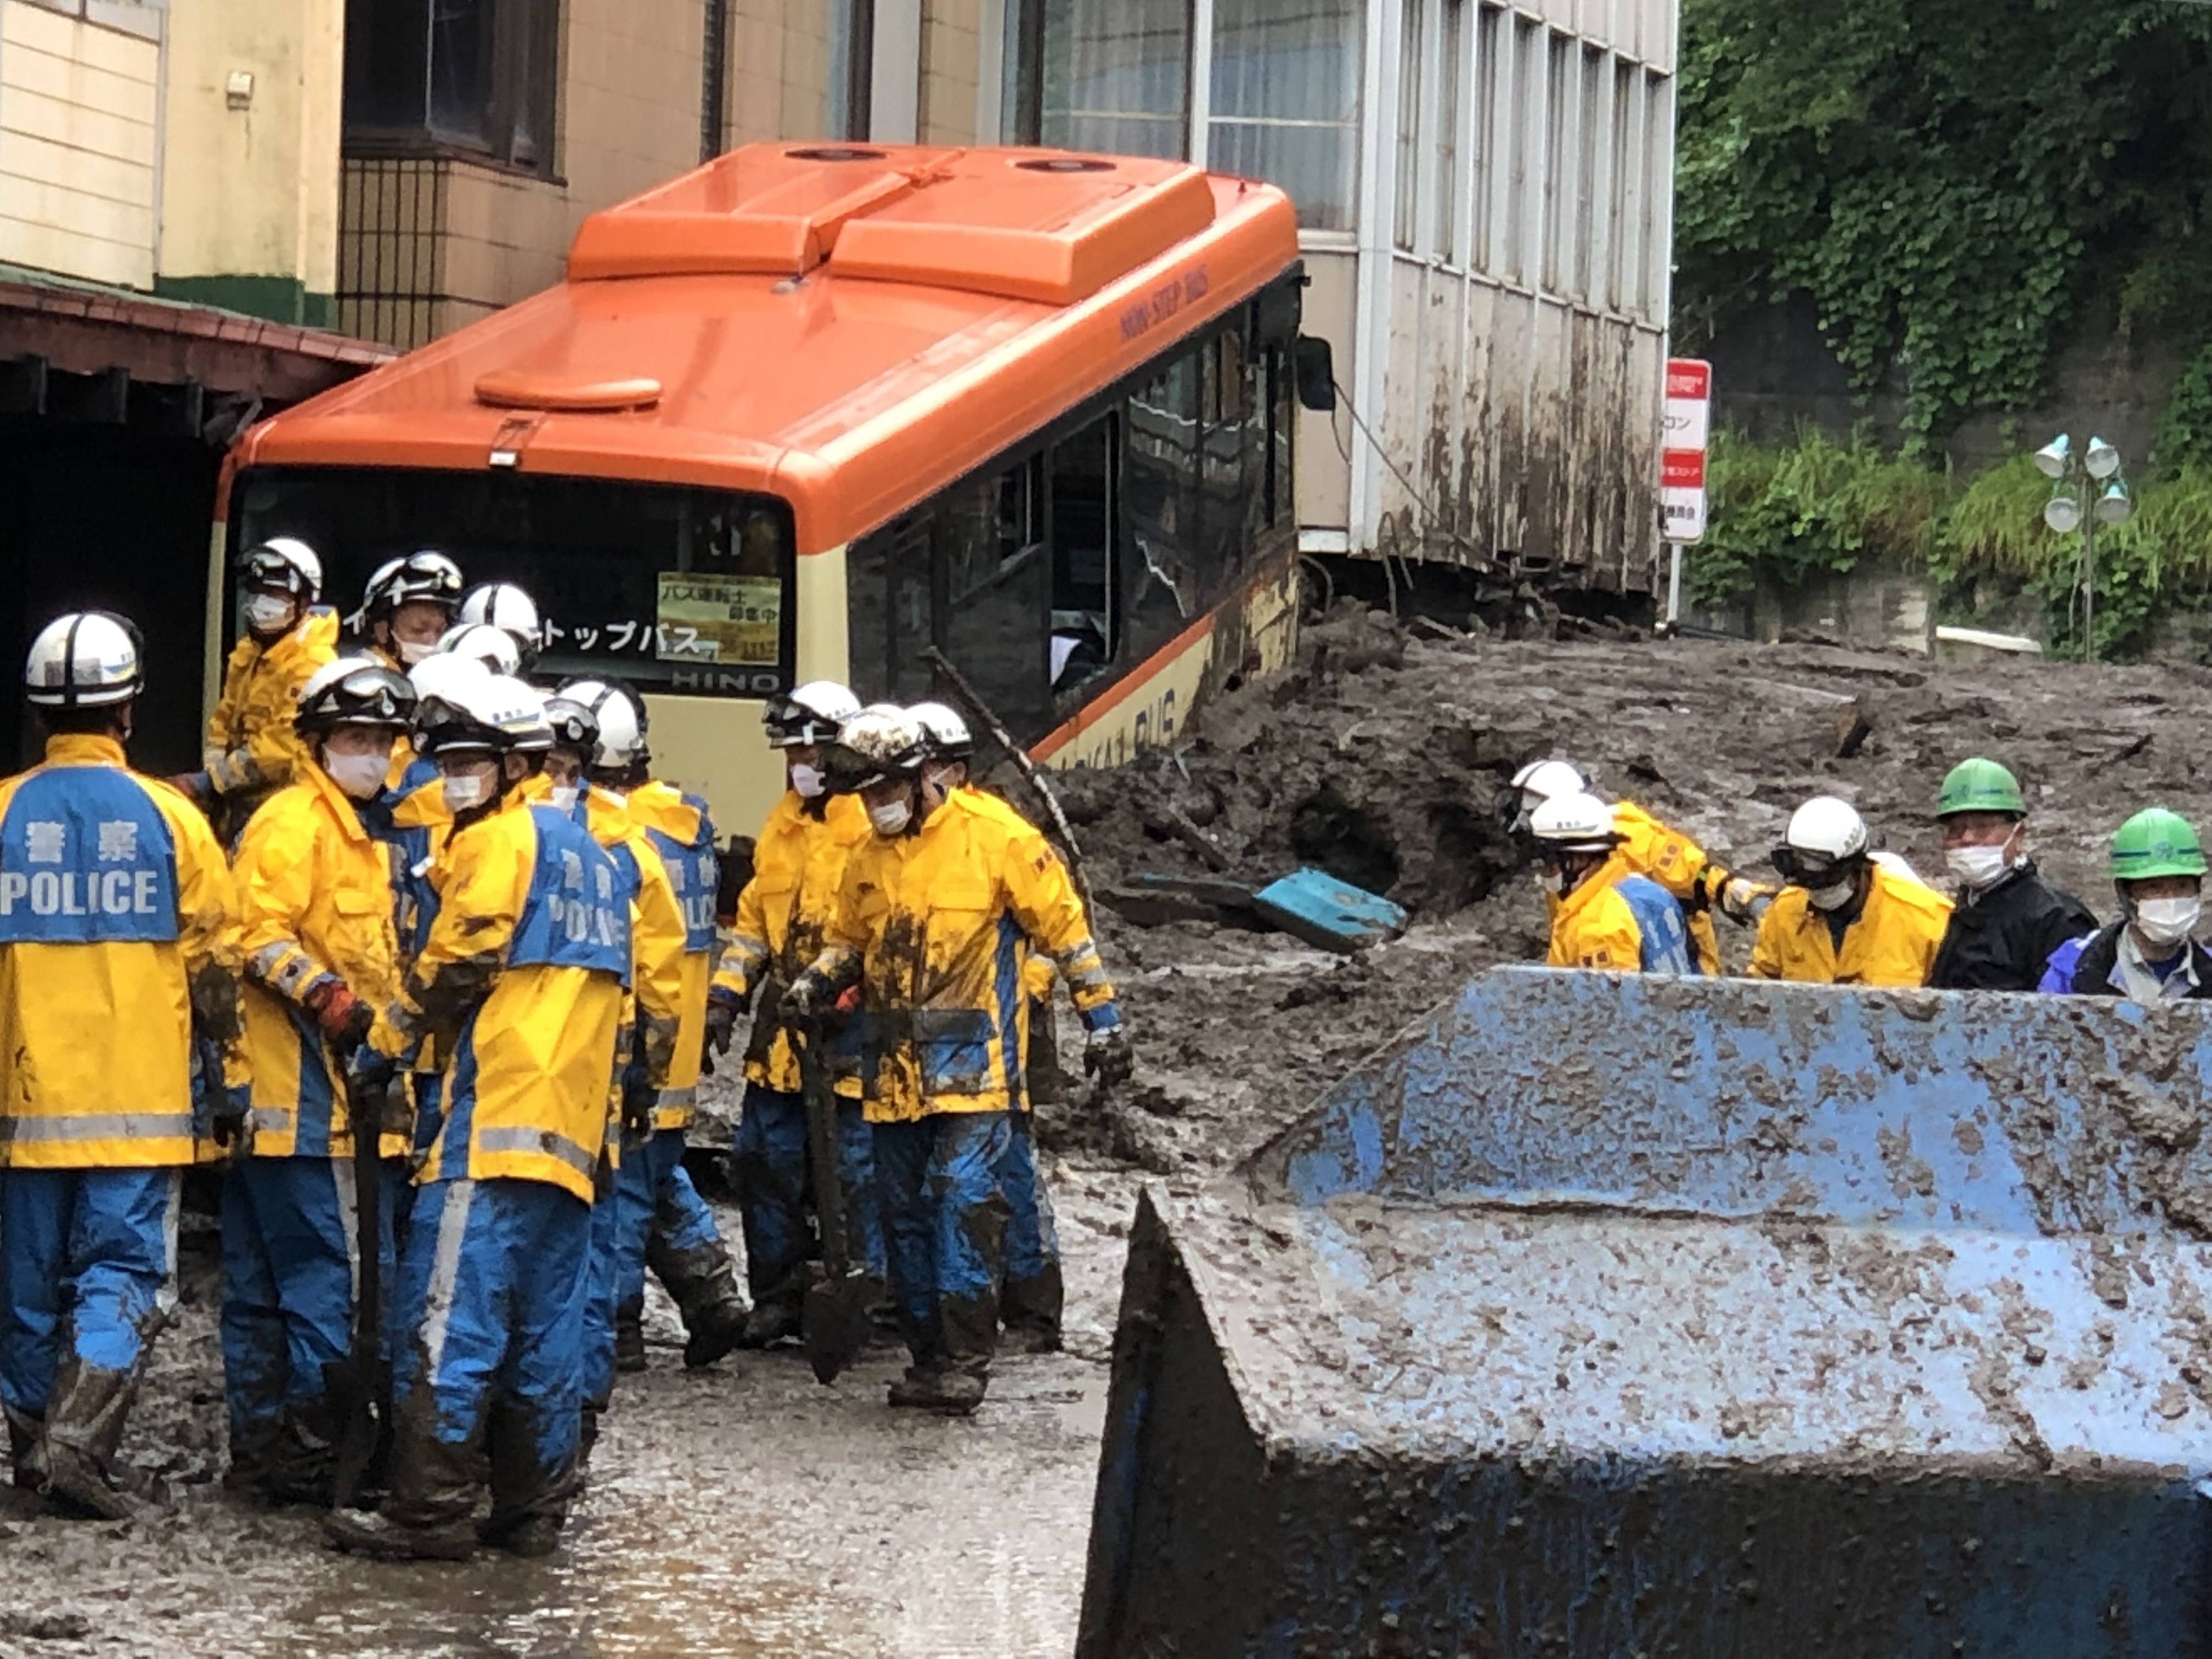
(744, 1510)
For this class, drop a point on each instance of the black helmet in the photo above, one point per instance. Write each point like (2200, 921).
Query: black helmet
(425, 575)
(355, 691)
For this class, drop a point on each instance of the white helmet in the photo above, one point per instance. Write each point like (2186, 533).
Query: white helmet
(1574, 823)
(438, 677)
(948, 734)
(429, 577)
(494, 648)
(509, 608)
(284, 561)
(621, 714)
(880, 742)
(86, 659)
(812, 713)
(1546, 778)
(1828, 828)
(496, 712)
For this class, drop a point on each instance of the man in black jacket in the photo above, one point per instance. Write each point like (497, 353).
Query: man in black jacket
(2008, 921)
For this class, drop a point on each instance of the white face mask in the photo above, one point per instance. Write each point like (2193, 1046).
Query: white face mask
(564, 796)
(1553, 882)
(359, 776)
(1977, 867)
(2167, 921)
(268, 613)
(411, 652)
(464, 793)
(891, 818)
(806, 780)
(1833, 897)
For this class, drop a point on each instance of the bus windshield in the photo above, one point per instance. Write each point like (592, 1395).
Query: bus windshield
(673, 588)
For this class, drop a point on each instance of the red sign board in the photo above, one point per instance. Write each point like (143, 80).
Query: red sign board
(1689, 377)
(1682, 469)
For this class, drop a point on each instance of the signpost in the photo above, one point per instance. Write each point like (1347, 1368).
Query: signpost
(1685, 427)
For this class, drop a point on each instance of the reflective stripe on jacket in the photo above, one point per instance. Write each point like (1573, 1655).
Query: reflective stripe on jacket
(782, 920)
(314, 894)
(1892, 941)
(933, 923)
(525, 967)
(250, 745)
(118, 945)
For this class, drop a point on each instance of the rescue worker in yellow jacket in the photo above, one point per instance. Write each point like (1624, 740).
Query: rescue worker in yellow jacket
(118, 992)
(407, 608)
(1032, 1294)
(937, 907)
(782, 916)
(315, 888)
(1605, 913)
(1649, 847)
(660, 1221)
(251, 749)
(1846, 917)
(523, 980)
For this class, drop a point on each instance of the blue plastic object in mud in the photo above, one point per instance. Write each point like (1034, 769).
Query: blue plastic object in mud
(1330, 915)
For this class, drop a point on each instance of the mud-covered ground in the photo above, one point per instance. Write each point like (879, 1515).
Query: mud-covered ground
(746, 1511)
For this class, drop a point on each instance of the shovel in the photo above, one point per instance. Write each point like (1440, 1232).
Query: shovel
(833, 1320)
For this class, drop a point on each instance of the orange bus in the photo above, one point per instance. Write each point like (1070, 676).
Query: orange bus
(810, 410)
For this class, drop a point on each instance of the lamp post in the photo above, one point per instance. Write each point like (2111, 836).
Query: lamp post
(2087, 490)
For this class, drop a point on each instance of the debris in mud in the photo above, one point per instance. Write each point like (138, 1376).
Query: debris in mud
(45, 1626)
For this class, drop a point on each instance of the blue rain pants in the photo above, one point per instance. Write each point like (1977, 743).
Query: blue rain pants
(776, 1199)
(944, 1217)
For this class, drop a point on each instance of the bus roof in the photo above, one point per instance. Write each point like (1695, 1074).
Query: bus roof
(850, 328)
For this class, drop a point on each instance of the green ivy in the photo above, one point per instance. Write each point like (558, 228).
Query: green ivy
(1947, 179)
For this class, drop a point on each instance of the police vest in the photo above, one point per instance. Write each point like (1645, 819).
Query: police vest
(1659, 920)
(86, 859)
(576, 913)
(696, 876)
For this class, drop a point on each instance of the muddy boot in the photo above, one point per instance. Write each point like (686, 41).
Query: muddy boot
(630, 1338)
(85, 1414)
(948, 1392)
(1032, 1310)
(918, 1388)
(25, 1452)
(252, 1456)
(303, 1457)
(773, 1320)
(705, 1288)
(427, 1515)
(529, 1501)
(970, 1327)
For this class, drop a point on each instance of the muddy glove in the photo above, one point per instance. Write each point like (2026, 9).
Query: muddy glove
(1108, 1057)
(1744, 901)
(721, 1026)
(344, 1018)
(369, 1072)
(198, 787)
(805, 1002)
(639, 1098)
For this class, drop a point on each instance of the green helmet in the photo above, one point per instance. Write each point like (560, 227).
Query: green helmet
(1980, 786)
(2155, 842)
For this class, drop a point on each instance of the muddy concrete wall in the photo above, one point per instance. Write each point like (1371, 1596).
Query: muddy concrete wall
(1874, 605)
(1527, 429)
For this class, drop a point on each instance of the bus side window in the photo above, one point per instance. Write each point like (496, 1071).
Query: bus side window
(1170, 578)
(887, 585)
(1082, 518)
(997, 595)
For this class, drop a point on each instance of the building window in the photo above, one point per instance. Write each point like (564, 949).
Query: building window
(1449, 192)
(1284, 86)
(849, 97)
(1489, 105)
(1103, 76)
(479, 77)
(1559, 122)
(1593, 144)
(1405, 198)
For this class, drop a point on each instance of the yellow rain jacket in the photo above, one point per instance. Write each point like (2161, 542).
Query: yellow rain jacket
(250, 745)
(681, 834)
(118, 945)
(523, 977)
(1621, 921)
(1678, 864)
(1892, 941)
(656, 938)
(314, 894)
(782, 920)
(933, 924)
